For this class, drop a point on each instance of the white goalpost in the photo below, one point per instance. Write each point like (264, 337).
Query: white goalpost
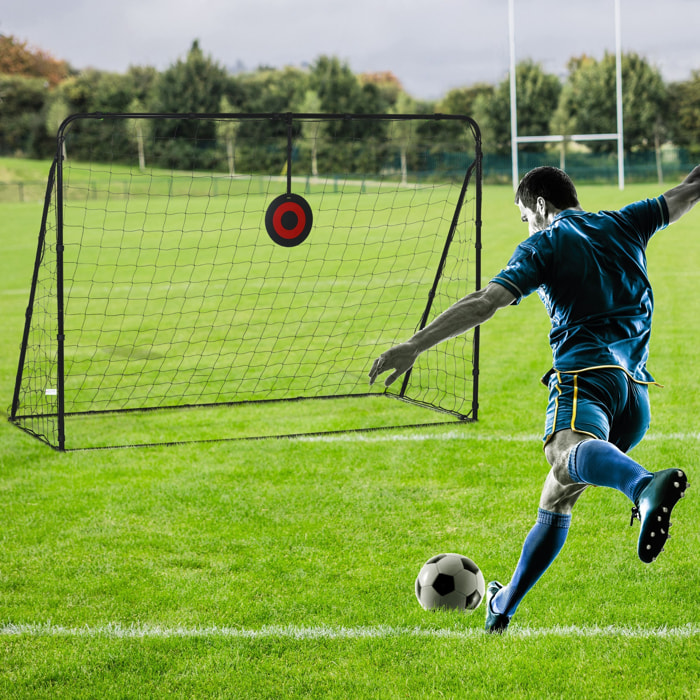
(561, 138)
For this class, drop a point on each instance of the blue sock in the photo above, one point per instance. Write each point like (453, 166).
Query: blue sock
(540, 549)
(601, 463)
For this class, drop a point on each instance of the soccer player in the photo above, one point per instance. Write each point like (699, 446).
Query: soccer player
(590, 271)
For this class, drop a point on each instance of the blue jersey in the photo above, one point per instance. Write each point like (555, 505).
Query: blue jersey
(590, 271)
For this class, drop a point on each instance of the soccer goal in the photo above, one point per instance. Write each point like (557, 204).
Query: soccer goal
(205, 277)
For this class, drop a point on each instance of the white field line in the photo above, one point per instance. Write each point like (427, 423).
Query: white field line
(464, 435)
(117, 631)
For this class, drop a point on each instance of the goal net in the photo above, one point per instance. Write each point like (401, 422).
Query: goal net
(235, 267)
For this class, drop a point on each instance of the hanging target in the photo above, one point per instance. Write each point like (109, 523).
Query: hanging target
(288, 220)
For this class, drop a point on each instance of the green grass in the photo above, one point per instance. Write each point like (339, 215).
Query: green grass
(280, 569)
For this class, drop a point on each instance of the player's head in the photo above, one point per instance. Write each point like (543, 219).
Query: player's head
(552, 184)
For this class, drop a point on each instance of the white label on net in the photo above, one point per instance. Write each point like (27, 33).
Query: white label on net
(52, 392)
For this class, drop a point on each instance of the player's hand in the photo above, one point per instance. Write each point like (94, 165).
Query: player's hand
(399, 359)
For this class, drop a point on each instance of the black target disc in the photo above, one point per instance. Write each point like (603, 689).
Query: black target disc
(288, 220)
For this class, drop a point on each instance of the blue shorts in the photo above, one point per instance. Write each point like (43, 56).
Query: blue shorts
(605, 403)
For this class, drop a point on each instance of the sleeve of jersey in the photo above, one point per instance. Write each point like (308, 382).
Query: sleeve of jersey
(646, 217)
(525, 270)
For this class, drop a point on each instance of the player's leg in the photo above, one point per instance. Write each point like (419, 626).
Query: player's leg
(577, 460)
(601, 463)
(559, 494)
(543, 542)
(608, 405)
(605, 464)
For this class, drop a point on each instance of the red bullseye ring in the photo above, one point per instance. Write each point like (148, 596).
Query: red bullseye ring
(288, 220)
(278, 225)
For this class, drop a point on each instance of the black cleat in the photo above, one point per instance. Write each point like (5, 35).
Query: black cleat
(654, 508)
(496, 623)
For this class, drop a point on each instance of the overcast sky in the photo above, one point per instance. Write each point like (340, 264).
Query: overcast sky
(430, 45)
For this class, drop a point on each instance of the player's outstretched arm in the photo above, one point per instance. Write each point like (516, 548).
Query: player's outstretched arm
(470, 311)
(682, 198)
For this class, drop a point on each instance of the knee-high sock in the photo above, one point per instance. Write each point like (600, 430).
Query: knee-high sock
(540, 549)
(601, 463)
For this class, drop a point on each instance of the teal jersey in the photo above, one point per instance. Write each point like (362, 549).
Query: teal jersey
(590, 270)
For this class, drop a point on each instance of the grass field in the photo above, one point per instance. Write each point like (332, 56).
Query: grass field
(280, 569)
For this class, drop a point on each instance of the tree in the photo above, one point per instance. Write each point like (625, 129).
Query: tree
(403, 131)
(341, 92)
(141, 130)
(227, 130)
(386, 82)
(270, 90)
(95, 91)
(536, 98)
(338, 88)
(310, 130)
(684, 113)
(22, 118)
(266, 90)
(588, 101)
(462, 100)
(142, 81)
(16, 58)
(195, 85)
(57, 112)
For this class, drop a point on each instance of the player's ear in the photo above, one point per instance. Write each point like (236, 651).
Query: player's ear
(542, 206)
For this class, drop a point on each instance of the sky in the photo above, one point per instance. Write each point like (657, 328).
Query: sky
(432, 46)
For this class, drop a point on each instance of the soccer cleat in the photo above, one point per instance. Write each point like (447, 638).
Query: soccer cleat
(653, 509)
(496, 623)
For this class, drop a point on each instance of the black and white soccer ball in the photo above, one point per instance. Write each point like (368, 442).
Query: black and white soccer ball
(450, 581)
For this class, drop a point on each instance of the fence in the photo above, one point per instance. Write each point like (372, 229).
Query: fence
(670, 165)
(22, 191)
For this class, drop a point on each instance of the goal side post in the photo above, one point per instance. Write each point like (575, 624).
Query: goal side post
(36, 410)
(474, 167)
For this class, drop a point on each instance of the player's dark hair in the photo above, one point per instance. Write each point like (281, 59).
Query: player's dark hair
(552, 184)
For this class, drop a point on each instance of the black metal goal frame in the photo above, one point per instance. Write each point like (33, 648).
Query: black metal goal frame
(472, 176)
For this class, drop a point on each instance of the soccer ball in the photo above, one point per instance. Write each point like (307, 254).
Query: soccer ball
(450, 581)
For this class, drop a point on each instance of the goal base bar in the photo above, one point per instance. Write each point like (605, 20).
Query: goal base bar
(246, 421)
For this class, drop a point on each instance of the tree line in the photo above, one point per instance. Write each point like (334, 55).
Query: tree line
(37, 92)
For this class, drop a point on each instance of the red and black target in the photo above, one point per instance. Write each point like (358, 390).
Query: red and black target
(288, 220)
